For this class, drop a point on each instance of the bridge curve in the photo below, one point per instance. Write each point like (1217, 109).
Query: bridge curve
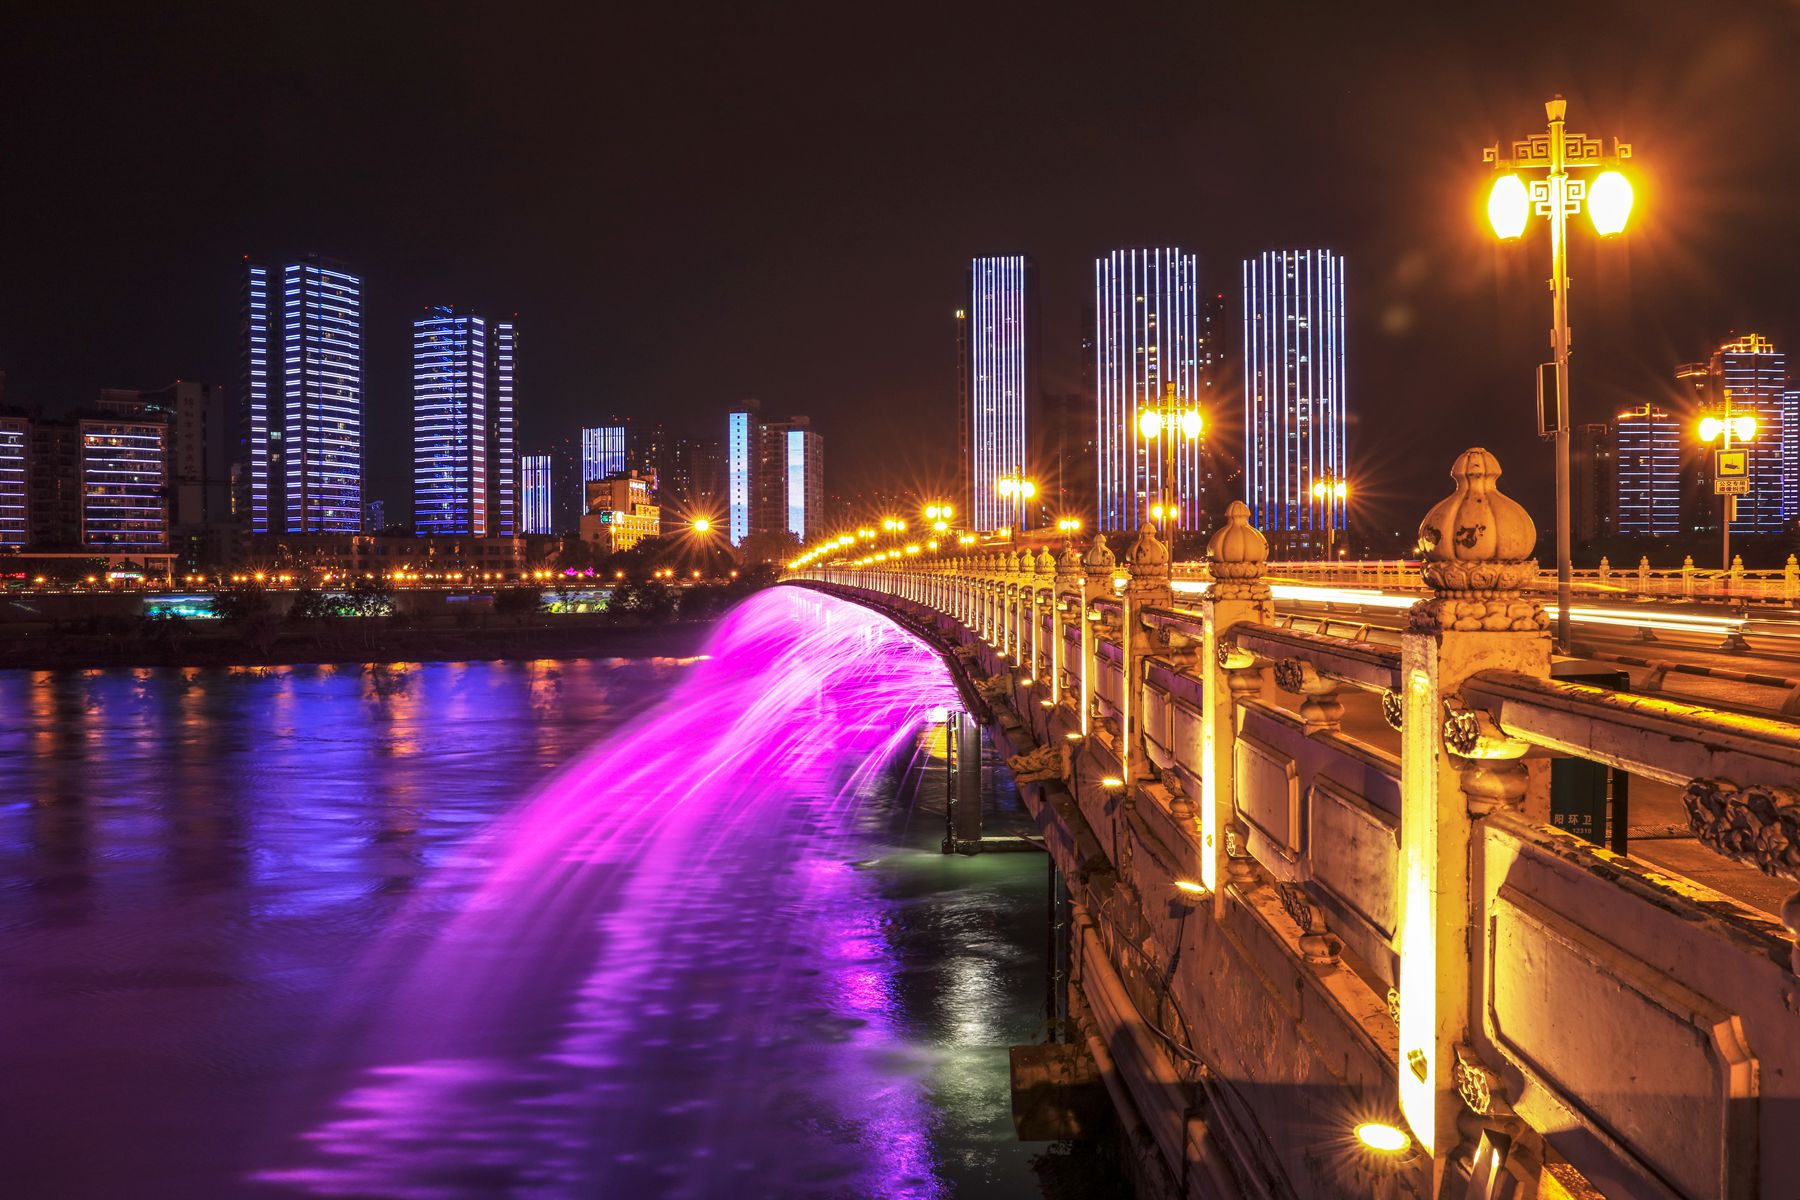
(1327, 940)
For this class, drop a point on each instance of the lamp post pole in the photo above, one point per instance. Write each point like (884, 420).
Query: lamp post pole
(1556, 196)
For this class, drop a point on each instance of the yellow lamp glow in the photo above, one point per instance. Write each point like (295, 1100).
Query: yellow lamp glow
(1027, 489)
(947, 512)
(1340, 489)
(1609, 202)
(1150, 423)
(1509, 207)
(701, 524)
(1711, 428)
(1743, 428)
(1192, 423)
(1379, 1135)
(931, 512)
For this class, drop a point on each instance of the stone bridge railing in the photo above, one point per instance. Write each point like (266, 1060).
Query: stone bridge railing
(1606, 582)
(1321, 873)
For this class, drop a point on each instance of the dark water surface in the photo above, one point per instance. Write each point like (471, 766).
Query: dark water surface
(548, 929)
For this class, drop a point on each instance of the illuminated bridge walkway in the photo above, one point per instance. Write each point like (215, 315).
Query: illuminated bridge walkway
(1327, 938)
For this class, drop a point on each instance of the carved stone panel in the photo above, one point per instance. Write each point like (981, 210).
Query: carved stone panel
(1267, 793)
(1355, 853)
(1657, 1070)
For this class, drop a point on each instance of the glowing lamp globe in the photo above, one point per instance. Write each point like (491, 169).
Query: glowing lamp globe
(1340, 489)
(1710, 428)
(1744, 428)
(1028, 489)
(1509, 207)
(1609, 203)
(701, 524)
(1192, 423)
(1149, 422)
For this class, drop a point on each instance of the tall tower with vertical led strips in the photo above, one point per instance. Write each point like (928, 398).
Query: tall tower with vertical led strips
(1147, 334)
(1294, 392)
(322, 398)
(260, 480)
(450, 423)
(998, 335)
(502, 431)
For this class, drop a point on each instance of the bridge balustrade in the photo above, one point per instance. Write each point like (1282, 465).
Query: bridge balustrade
(1393, 926)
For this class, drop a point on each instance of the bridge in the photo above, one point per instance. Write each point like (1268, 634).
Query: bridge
(1327, 937)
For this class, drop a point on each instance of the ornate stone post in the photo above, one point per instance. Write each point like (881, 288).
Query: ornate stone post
(1024, 642)
(1234, 558)
(1067, 601)
(1478, 546)
(1146, 586)
(1043, 602)
(1097, 575)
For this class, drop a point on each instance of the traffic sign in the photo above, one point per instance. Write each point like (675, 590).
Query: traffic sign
(1730, 464)
(1731, 487)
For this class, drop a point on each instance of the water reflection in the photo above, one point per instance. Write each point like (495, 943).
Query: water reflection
(266, 952)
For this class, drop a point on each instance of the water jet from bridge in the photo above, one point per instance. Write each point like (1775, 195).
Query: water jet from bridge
(684, 909)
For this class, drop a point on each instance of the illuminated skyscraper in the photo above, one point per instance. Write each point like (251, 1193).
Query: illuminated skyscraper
(998, 338)
(534, 494)
(450, 423)
(124, 470)
(805, 483)
(502, 430)
(740, 449)
(1755, 373)
(1146, 335)
(1293, 392)
(604, 450)
(15, 442)
(261, 481)
(322, 398)
(1647, 457)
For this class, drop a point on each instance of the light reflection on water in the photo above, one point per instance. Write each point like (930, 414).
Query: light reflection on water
(259, 897)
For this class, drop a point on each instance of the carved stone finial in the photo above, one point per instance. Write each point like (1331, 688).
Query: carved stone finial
(1235, 555)
(1099, 556)
(1477, 544)
(1068, 568)
(1148, 563)
(1046, 563)
(1024, 563)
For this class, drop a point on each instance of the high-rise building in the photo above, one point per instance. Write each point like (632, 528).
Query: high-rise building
(450, 423)
(605, 452)
(998, 334)
(740, 447)
(53, 477)
(1755, 373)
(300, 443)
(1596, 483)
(1294, 393)
(805, 483)
(260, 473)
(1647, 461)
(1146, 336)
(322, 398)
(464, 465)
(124, 469)
(15, 447)
(534, 494)
(198, 447)
(502, 431)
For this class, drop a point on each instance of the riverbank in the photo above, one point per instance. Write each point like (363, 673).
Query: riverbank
(349, 640)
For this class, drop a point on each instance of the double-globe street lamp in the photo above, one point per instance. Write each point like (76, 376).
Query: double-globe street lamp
(1332, 495)
(1170, 423)
(1607, 198)
(1019, 490)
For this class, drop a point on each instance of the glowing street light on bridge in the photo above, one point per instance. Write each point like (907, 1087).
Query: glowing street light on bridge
(1556, 196)
(1331, 495)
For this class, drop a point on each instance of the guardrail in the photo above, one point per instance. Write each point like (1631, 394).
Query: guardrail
(1390, 908)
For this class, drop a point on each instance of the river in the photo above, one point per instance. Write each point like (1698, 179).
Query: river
(563, 928)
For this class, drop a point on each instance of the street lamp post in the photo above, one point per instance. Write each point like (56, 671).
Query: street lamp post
(1607, 197)
(1723, 429)
(1331, 494)
(1018, 489)
(1169, 422)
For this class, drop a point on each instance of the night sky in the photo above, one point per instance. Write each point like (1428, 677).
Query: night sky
(689, 206)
